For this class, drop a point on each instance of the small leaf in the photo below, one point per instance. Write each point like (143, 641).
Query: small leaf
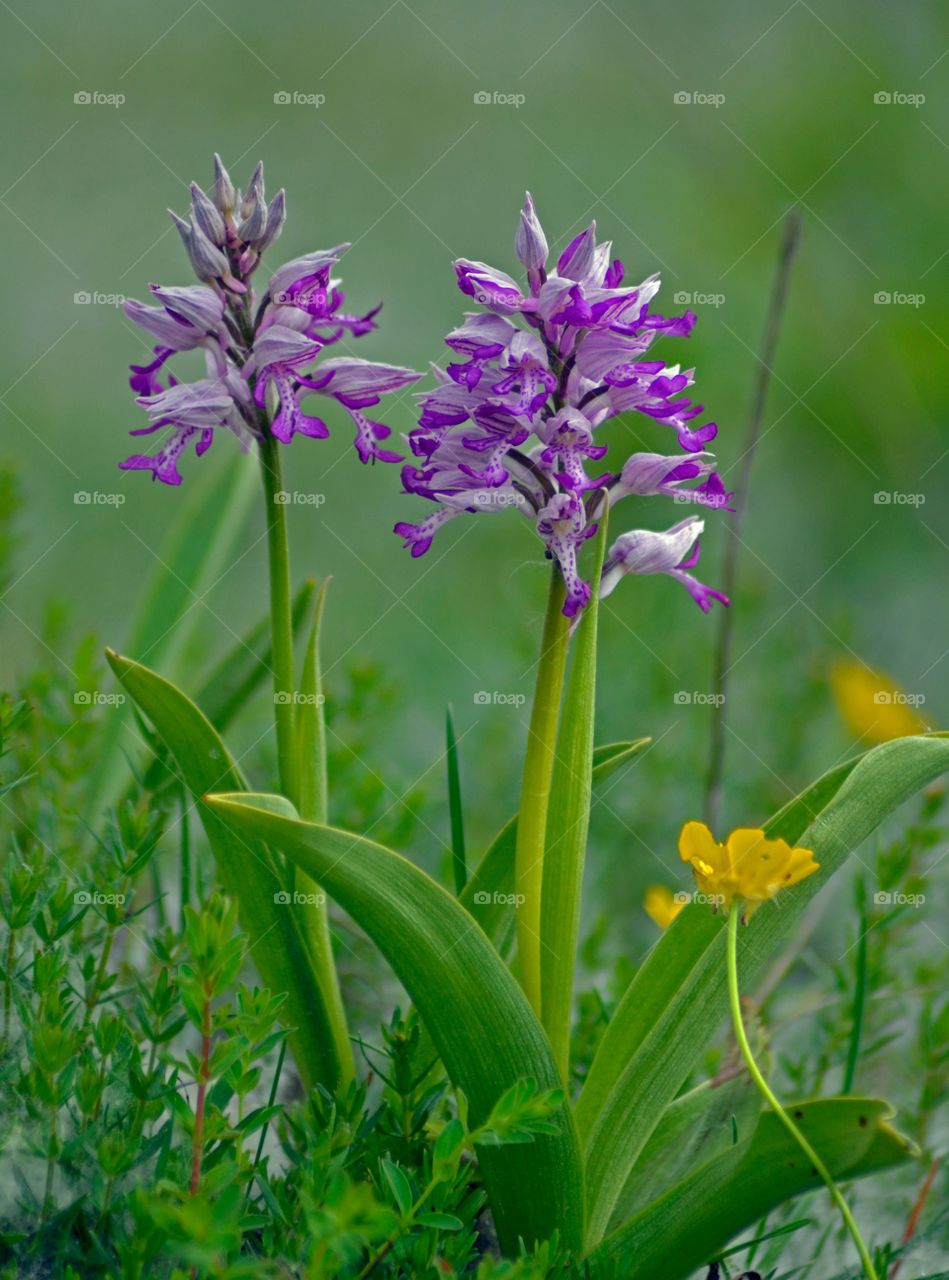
(398, 1184)
(440, 1221)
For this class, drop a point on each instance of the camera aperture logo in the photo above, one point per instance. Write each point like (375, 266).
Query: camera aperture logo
(284, 898)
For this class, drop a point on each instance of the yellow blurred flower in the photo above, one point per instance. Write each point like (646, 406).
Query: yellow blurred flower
(873, 707)
(747, 866)
(662, 905)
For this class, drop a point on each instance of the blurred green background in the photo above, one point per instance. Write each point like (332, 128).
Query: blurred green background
(403, 160)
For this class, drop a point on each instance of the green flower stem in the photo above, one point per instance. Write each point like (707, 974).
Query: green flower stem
(281, 615)
(535, 789)
(734, 1000)
(310, 802)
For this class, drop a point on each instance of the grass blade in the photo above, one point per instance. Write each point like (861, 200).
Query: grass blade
(456, 813)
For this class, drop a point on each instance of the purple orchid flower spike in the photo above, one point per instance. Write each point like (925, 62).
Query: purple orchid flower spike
(262, 355)
(513, 420)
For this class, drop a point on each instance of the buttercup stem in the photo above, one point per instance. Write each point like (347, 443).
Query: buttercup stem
(281, 615)
(734, 1000)
(535, 788)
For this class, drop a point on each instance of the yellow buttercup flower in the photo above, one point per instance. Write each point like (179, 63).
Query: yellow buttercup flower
(747, 866)
(662, 905)
(872, 706)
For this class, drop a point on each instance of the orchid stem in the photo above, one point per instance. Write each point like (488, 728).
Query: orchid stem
(535, 789)
(734, 999)
(281, 615)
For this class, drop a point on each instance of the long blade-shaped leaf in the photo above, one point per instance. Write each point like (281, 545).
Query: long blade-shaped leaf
(568, 823)
(456, 812)
(678, 998)
(476, 1014)
(310, 729)
(739, 1187)
(246, 868)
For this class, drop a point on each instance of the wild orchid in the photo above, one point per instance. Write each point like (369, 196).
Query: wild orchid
(264, 359)
(513, 422)
(262, 355)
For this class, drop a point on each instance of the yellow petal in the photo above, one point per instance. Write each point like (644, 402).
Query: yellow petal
(662, 905)
(698, 846)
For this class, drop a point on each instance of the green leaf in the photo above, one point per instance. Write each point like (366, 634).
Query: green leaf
(246, 869)
(568, 823)
(310, 724)
(477, 1015)
(697, 1127)
(456, 813)
(489, 894)
(739, 1187)
(192, 559)
(312, 801)
(678, 999)
(440, 1221)
(398, 1184)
